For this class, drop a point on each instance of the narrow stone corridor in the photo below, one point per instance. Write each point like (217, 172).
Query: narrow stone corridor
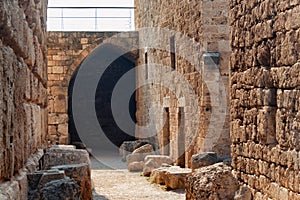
(194, 100)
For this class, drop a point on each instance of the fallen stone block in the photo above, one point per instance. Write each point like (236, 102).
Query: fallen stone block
(158, 175)
(175, 177)
(137, 157)
(81, 173)
(38, 179)
(150, 165)
(129, 146)
(64, 155)
(61, 189)
(136, 166)
(155, 161)
(203, 159)
(159, 159)
(211, 182)
(147, 148)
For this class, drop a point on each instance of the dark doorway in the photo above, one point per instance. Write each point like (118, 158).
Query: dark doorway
(103, 97)
(103, 101)
(181, 138)
(166, 133)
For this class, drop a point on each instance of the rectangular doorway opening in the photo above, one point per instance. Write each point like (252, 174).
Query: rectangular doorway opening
(181, 138)
(166, 133)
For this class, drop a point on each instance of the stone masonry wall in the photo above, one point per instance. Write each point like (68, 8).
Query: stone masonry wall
(206, 22)
(66, 51)
(23, 80)
(265, 79)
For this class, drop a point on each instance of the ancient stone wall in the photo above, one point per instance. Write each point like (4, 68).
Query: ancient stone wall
(66, 51)
(265, 71)
(206, 24)
(23, 80)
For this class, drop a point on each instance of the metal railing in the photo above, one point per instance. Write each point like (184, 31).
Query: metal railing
(90, 18)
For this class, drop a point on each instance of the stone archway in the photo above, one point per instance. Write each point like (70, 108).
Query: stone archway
(103, 96)
(66, 52)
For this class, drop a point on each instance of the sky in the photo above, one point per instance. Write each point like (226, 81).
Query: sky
(99, 3)
(111, 19)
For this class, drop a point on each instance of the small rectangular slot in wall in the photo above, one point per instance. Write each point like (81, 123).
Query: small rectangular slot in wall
(172, 52)
(146, 65)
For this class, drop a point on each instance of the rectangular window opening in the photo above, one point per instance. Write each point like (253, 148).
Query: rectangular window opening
(146, 65)
(172, 52)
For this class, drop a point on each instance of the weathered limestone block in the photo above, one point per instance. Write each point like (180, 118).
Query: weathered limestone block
(147, 148)
(81, 173)
(155, 161)
(64, 155)
(158, 175)
(266, 121)
(136, 166)
(149, 166)
(37, 180)
(211, 182)
(129, 146)
(159, 159)
(203, 159)
(60, 104)
(61, 189)
(175, 177)
(137, 157)
(55, 119)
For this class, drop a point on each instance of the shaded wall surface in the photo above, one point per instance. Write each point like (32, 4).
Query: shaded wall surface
(265, 71)
(23, 95)
(205, 23)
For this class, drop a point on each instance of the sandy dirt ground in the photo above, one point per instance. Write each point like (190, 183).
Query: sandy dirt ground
(119, 184)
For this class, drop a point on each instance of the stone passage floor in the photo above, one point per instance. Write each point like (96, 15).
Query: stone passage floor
(119, 184)
(112, 181)
(123, 185)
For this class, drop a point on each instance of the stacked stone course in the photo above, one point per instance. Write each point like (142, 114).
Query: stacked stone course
(23, 76)
(265, 71)
(23, 94)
